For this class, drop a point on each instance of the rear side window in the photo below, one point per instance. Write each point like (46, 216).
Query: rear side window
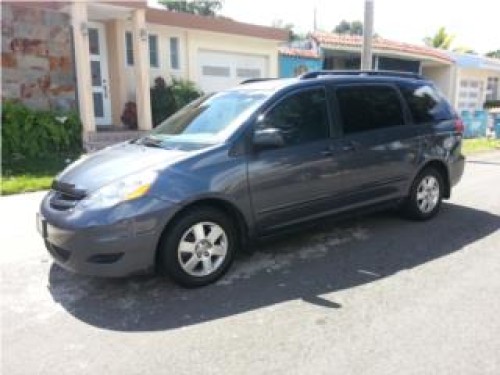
(366, 107)
(302, 117)
(426, 104)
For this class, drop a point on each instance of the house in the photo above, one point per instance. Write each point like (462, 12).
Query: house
(298, 58)
(97, 56)
(344, 52)
(469, 81)
(475, 82)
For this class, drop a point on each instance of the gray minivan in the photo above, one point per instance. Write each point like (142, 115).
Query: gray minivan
(247, 162)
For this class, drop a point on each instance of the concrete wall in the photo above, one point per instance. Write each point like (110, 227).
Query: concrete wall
(190, 42)
(164, 34)
(444, 78)
(37, 58)
(292, 66)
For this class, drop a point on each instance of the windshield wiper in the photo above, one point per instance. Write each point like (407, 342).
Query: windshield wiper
(150, 142)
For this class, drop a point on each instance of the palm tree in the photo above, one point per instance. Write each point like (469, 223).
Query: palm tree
(440, 40)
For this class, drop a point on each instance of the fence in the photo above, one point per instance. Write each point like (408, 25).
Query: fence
(480, 124)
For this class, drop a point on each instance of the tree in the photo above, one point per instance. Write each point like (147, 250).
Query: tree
(495, 54)
(440, 40)
(350, 28)
(199, 7)
(292, 35)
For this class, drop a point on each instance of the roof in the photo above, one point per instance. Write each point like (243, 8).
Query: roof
(380, 44)
(468, 60)
(216, 24)
(299, 52)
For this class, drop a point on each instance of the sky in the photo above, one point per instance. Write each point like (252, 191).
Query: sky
(476, 24)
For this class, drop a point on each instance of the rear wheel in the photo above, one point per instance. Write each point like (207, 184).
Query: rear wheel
(199, 247)
(425, 196)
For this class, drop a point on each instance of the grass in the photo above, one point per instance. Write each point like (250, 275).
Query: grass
(473, 146)
(23, 175)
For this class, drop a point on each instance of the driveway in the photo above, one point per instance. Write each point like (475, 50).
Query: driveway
(374, 295)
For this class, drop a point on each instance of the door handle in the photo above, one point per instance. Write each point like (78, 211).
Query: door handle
(105, 88)
(349, 146)
(327, 153)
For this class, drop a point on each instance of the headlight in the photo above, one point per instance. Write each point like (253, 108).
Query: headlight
(126, 189)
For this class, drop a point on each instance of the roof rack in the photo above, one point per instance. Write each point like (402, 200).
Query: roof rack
(382, 73)
(251, 80)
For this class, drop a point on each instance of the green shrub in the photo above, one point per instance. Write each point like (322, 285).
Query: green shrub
(162, 101)
(33, 133)
(165, 99)
(184, 92)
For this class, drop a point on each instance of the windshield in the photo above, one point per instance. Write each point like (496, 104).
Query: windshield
(206, 121)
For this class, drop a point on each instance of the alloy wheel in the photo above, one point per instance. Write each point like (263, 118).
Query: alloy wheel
(202, 249)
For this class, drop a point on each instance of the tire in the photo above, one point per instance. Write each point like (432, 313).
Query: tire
(426, 195)
(199, 247)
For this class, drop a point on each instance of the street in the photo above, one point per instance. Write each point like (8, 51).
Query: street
(372, 295)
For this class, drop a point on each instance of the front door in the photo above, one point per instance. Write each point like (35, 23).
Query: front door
(298, 180)
(99, 73)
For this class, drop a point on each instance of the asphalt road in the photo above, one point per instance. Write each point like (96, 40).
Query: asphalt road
(375, 295)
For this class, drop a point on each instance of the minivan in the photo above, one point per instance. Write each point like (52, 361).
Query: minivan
(244, 163)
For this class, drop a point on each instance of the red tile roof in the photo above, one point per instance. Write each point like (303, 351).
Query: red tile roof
(298, 52)
(380, 44)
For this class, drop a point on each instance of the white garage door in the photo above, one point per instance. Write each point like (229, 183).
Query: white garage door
(221, 70)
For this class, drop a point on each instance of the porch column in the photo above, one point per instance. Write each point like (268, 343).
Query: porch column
(82, 66)
(141, 67)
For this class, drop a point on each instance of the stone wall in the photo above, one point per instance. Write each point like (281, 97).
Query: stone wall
(37, 57)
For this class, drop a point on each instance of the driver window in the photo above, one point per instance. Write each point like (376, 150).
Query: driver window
(301, 117)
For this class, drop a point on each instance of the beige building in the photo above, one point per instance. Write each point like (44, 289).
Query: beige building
(474, 81)
(117, 50)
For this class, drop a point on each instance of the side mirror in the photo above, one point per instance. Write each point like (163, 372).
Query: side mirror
(268, 138)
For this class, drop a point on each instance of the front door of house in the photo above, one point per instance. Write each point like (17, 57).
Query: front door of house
(99, 73)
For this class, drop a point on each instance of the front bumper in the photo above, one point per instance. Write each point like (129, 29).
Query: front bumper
(123, 246)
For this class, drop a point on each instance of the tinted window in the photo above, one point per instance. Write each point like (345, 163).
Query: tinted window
(365, 108)
(426, 104)
(302, 117)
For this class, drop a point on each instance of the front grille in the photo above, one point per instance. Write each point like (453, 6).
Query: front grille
(57, 252)
(65, 196)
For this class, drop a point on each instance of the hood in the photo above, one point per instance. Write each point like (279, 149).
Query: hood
(96, 170)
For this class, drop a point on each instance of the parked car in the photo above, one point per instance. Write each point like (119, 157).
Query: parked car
(247, 162)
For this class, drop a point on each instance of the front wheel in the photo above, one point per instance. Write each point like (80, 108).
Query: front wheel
(425, 196)
(199, 247)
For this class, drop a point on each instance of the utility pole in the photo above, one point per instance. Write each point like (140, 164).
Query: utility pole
(315, 25)
(366, 54)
